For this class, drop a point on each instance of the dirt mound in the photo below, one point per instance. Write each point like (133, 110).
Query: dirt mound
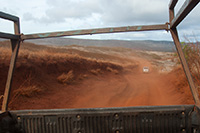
(38, 68)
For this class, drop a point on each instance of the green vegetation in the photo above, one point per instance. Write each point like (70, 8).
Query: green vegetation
(191, 51)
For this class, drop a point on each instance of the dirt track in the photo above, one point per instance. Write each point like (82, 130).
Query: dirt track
(130, 87)
(134, 88)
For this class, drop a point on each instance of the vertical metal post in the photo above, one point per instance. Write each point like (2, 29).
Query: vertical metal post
(193, 89)
(177, 43)
(17, 27)
(171, 15)
(15, 49)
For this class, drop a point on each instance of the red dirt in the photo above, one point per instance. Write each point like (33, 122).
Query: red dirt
(130, 87)
(133, 88)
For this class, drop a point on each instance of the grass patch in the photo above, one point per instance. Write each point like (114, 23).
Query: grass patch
(96, 71)
(28, 91)
(66, 78)
(82, 76)
(112, 70)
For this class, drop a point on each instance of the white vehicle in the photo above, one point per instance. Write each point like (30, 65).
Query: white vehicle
(145, 69)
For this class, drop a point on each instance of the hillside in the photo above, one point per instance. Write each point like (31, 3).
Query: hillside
(77, 76)
(150, 45)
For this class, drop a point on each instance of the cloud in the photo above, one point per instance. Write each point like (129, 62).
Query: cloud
(28, 16)
(73, 9)
(111, 12)
(55, 15)
(61, 10)
(137, 11)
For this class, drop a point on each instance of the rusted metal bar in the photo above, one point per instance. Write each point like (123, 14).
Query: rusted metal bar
(96, 31)
(15, 43)
(183, 12)
(15, 48)
(17, 27)
(9, 36)
(8, 17)
(171, 15)
(194, 91)
(172, 4)
(171, 10)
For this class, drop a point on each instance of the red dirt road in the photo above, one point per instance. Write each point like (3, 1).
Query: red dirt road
(134, 88)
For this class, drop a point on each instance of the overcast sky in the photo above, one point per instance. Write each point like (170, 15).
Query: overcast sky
(60, 15)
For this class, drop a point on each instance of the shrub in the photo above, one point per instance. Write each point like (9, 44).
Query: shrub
(28, 89)
(66, 78)
(112, 70)
(192, 54)
(96, 71)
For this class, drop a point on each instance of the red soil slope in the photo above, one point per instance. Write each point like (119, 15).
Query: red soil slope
(36, 86)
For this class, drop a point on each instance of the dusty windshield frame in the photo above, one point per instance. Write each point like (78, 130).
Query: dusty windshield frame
(174, 21)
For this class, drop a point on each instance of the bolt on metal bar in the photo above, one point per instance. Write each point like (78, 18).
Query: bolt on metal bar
(183, 12)
(8, 17)
(193, 89)
(96, 31)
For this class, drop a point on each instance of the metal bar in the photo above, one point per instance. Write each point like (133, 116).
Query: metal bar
(17, 27)
(122, 121)
(8, 36)
(8, 17)
(96, 31)
(171, 11)
(15, 48)
(15, 43)
(171, 15)
(172, 4)
(193, 89)
(183, 12)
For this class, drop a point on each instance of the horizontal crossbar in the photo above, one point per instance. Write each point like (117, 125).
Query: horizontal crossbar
(9, 36)
(96, 31)
(8, 17)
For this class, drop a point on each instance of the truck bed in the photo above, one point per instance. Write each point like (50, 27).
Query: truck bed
(172, 119)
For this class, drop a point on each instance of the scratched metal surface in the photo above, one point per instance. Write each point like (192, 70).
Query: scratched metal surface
(96, 31)
(168, 119)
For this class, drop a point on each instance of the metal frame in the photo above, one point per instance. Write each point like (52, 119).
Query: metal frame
(15, 44)
(97, 31)
(145, 119)
(174, 21)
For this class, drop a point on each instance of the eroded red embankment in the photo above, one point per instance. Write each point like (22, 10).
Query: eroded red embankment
(132, 88)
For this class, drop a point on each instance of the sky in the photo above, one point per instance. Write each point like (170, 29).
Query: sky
(38, 16)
